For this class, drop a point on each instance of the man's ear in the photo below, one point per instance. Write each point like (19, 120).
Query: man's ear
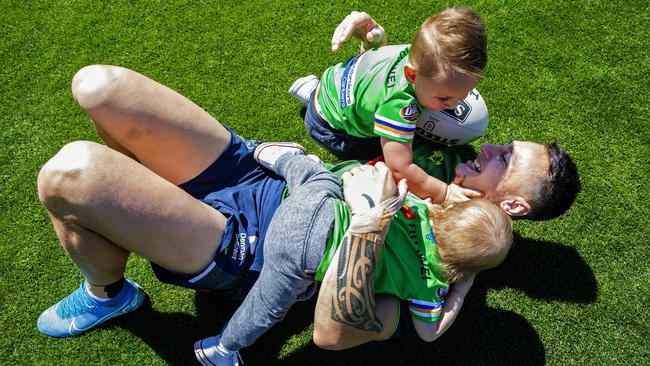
(409, 72)
(516, 206)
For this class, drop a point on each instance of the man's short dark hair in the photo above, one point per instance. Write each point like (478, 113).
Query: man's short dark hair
(558, 192)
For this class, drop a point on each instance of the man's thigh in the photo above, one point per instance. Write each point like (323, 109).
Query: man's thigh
(131, 206)
(150, 122)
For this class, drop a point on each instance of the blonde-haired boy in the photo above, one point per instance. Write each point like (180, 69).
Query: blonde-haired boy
(471, 236)
(447, 244)
(370, 104)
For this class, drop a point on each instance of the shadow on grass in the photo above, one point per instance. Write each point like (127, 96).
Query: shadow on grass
(481, 335)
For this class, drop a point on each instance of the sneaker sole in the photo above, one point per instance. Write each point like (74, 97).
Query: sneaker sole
(258, 151)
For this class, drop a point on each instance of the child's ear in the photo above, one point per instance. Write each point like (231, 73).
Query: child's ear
(409, 72)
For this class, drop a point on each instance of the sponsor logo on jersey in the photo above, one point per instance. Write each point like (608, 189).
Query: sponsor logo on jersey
(425, 271)
(460, 113)
(390, 81)
(410, 112)
(346, 95)
(392, 75)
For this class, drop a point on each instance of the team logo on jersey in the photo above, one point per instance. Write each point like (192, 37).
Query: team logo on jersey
(442, 291)
(410, 112)
(460, 113)
(430, 235)
(436, 158)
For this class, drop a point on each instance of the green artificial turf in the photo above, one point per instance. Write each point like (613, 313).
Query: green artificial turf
(574, 291)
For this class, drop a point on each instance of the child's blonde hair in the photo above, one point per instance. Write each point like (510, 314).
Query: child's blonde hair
(471, 236)
(453, 38)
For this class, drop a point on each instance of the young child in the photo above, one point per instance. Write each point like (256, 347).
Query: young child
(426, 248)
(370, 104)
(430, 246)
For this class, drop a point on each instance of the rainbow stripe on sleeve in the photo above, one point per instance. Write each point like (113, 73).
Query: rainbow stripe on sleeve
(425, 310)
(400, 131)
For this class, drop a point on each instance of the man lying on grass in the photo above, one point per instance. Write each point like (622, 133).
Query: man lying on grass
(176, 187)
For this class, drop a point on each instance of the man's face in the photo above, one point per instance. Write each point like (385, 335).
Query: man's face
(503, 172)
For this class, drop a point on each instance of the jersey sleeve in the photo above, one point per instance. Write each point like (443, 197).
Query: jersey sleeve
(427, 311)
(427, 306)
(397, 118)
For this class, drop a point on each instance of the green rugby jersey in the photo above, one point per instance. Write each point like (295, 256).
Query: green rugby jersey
(409, 266)
(369, 95)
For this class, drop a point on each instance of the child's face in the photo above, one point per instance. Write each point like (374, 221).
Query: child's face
(443, 91)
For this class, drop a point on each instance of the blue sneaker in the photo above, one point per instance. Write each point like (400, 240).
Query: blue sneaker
(79, 312)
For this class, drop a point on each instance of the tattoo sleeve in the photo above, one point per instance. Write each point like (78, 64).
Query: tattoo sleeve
(353, 303)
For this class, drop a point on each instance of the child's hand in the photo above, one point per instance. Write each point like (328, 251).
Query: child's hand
(463, 286)
(456, 193)
(361, 26)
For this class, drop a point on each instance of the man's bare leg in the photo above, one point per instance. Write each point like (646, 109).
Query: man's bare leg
(104, 205)
(147, 121)
(160, 128)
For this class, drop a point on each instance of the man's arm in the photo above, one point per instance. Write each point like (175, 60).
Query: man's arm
(347, 312)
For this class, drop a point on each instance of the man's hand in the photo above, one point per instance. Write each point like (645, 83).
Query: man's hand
(456, 193)
(373, 198)
(359, 25)
(366, 186)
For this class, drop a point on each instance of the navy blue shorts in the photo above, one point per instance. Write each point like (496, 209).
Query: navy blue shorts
(247, 195)
(337, 142)
(405, 329)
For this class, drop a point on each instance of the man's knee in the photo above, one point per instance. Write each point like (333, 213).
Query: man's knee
(66, 177)
(93, 85)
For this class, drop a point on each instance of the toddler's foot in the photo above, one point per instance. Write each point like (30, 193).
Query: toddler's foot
(303, 88)
(210, 352)
(268, 153)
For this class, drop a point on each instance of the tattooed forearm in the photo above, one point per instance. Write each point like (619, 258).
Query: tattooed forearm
(353, 303)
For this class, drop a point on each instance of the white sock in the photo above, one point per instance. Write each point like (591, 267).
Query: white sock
(97, 298)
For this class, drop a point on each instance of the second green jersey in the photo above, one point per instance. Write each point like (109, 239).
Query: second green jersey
(409, 267)
(369, 95)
